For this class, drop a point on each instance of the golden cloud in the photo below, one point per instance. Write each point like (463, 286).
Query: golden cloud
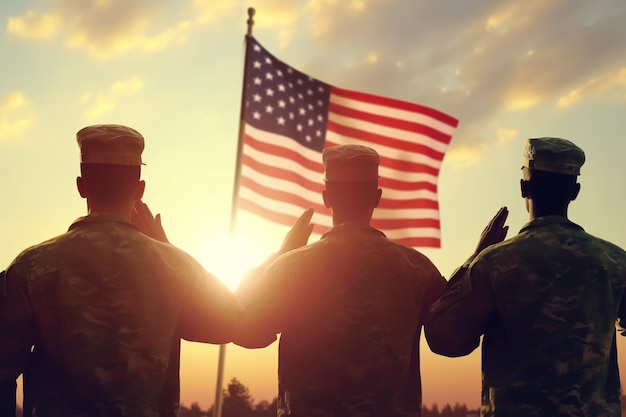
(594, 87)
(12, 122)
(34, 26)
(106, 100)
(504, 136)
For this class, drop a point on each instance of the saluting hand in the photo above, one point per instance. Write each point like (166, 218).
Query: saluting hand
(495, 231)
(299, 234)
(148, 224)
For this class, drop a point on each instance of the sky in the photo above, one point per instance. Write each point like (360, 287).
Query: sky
(172, 69)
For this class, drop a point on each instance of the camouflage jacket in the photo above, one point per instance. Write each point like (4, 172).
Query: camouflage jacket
(105, 308)
(349, 309)
(546, 302)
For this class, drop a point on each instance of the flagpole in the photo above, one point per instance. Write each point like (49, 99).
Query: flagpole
(217, 407)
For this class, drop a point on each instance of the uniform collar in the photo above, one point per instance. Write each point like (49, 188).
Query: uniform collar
(352, 227)
(105, 217)
(549, 220)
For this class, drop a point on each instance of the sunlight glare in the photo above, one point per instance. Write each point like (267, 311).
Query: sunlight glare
(229, 261)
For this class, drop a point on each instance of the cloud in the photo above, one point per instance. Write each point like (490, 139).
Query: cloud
(613, 80)
(105, 101)
(14, 118)
(504, 136)
(477, 60)
(34, 26)
(107, 28)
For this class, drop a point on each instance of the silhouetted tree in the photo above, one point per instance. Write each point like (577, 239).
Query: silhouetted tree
(265, 409)
(193, 411)
(237, 400)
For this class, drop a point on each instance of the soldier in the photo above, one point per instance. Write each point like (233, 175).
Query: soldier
(104, 305)
(349, 307)
(545, 300)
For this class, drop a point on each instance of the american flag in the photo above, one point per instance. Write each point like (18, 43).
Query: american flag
(290, 117)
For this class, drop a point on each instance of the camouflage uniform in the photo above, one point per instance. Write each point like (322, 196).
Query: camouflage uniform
(546, 301)
(105, 307)
(350, 309)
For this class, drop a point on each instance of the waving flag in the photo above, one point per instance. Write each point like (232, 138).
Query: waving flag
(290, 117)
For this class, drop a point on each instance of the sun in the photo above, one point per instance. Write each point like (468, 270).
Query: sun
(230, 259)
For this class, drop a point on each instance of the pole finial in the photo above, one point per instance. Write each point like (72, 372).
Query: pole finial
(250, 20)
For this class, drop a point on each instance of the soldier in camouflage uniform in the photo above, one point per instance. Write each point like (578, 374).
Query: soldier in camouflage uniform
(104, 305)
(349, 307)
(545, 300)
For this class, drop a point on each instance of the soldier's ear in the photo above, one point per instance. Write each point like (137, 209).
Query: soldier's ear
(524, 188)
(326, 198)
(81, 186)
(575, 191)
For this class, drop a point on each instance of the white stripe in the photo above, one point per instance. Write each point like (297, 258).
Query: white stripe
(394, 113)
(281, 184)
(283, 142)
(281, 206)
(400, 134)
(283, 163)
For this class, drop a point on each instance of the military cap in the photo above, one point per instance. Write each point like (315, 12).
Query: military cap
(110, 144)
(344, 163)
(553, 155)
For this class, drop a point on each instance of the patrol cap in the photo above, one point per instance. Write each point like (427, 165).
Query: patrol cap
(344, 163)
(553, 155)
(110, 144)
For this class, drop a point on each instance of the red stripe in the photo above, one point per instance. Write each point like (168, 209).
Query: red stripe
(387, 141)
(283, 153)
(275, 216)
(397, 104)
(281, 173)
(390, 122)
(397, 184)
(284, 196)
(415, 203)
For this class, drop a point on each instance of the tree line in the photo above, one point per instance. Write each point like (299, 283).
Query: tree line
(237, 402)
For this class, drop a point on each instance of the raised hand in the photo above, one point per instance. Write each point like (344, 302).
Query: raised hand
(299, 234)
(148, 224)
(495, 231)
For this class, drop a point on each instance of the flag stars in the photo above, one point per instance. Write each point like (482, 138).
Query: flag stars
(269, 92)
(281, 121)
(281, 87)
(256, 115)
(299, 127)
(257, 64)
(311, 122)
(309, 92)
(282, 104)
(301, 111)
(257, 98)
(257, 81)
(269, 109)
(268, 60)
(269, 76)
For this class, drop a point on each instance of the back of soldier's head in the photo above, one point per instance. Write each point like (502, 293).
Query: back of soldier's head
(351, 176)
(110, 161)
(552, 166)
